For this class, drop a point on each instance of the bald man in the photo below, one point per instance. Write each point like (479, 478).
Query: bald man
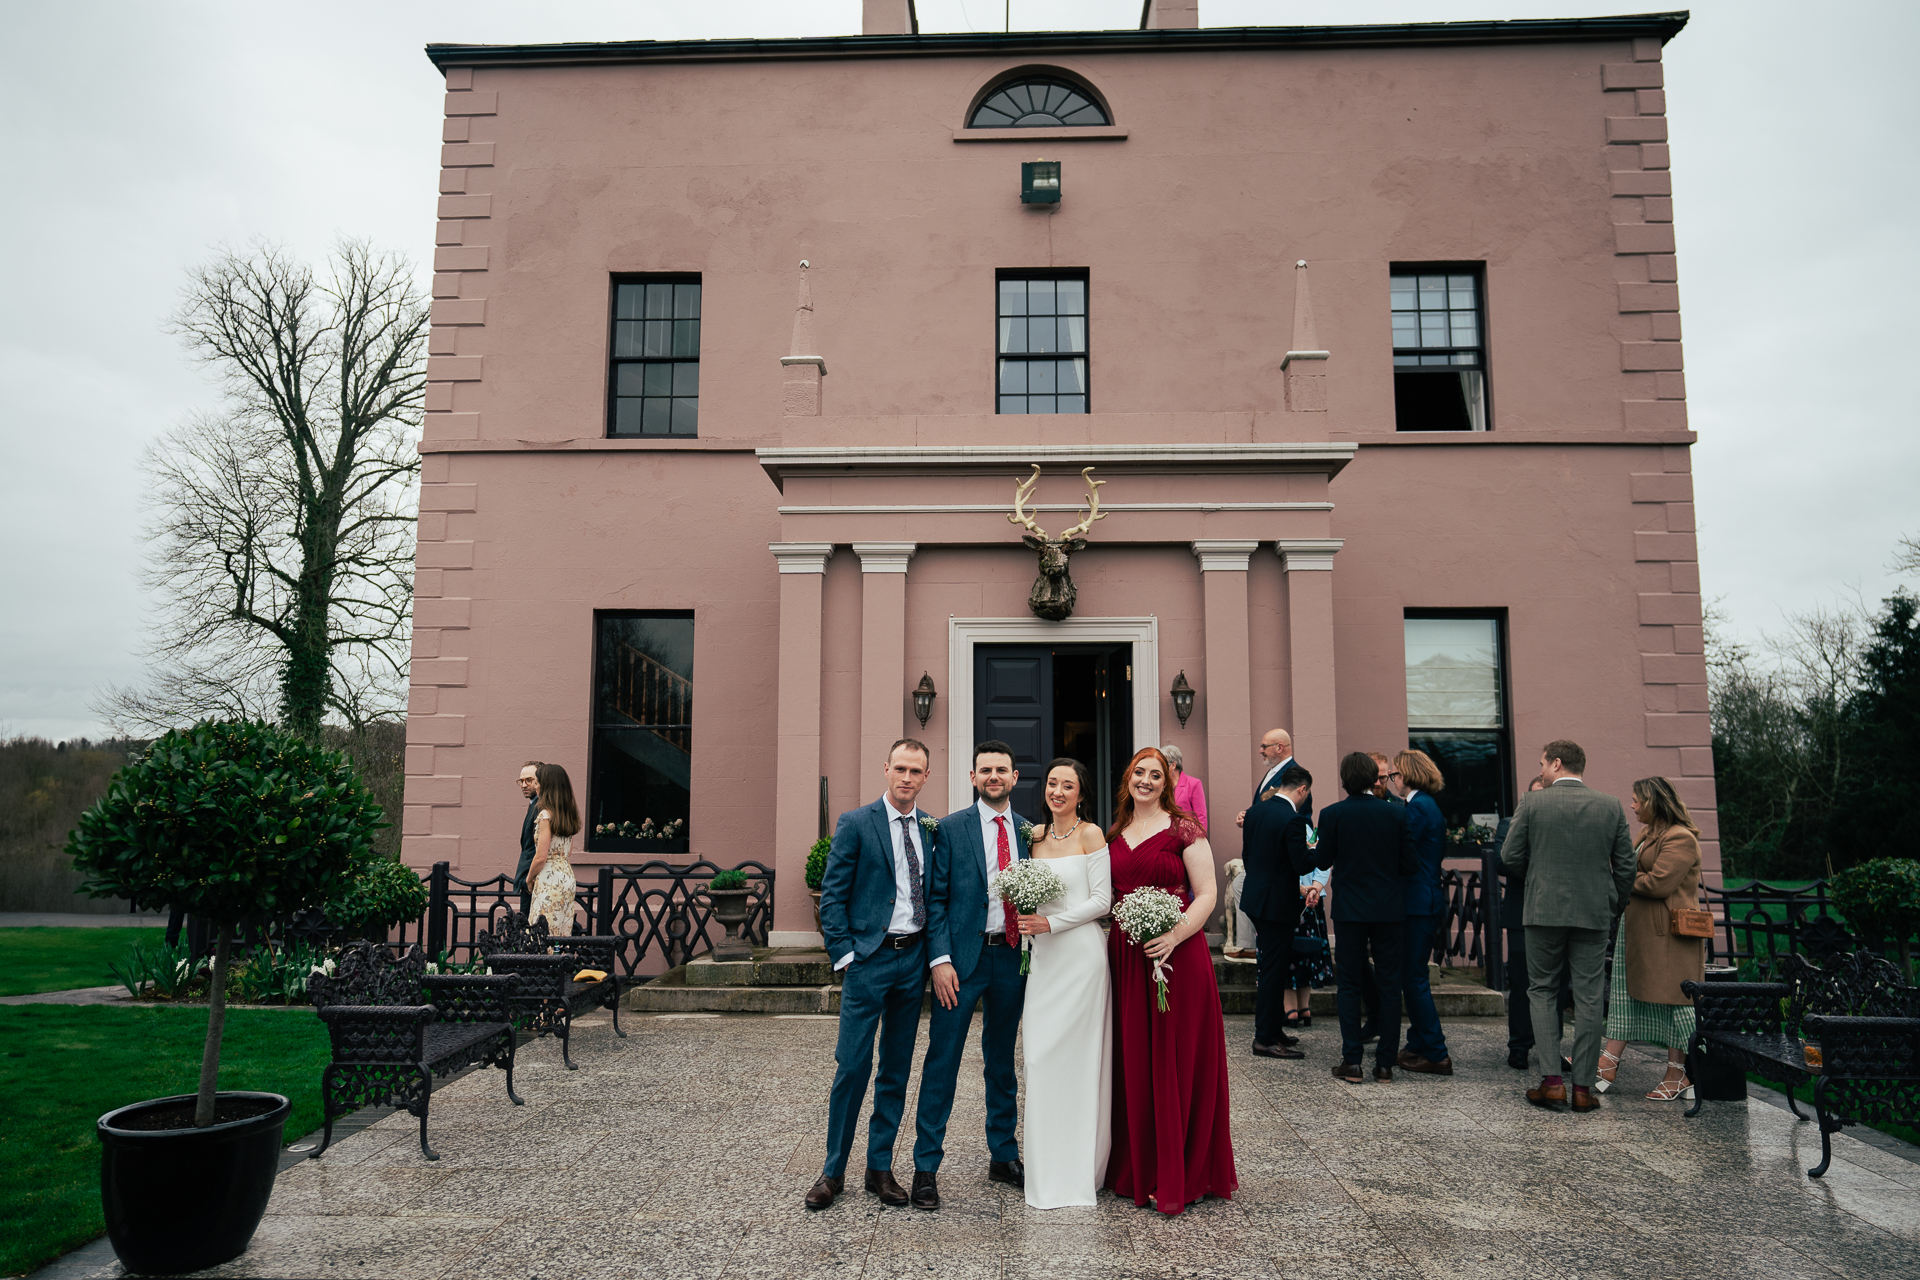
(1276, 753)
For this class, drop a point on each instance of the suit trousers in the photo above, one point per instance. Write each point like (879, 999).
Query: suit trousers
(880, 997)
(1354, 940)
(1582, 954)
(1273, 974)
(1424, 1035)
(997, 982)
(1519, 1010)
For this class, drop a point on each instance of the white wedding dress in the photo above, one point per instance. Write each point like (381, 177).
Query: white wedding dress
(1067, 1040)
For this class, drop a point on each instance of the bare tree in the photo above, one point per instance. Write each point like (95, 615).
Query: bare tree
(282, 543)
(1906, 557)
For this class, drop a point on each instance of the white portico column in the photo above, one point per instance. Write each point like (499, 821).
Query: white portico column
(883, 647)
(1309, 568)
(803, 567)
(1229, 687)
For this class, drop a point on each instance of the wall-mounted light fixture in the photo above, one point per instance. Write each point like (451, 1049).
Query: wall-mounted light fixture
(1040, 182)
(1182, 697)
(923, 695)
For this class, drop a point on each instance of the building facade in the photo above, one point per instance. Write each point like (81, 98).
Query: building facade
(1370, 336)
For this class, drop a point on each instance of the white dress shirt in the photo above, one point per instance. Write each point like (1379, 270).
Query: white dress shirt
(1273, 775)
(902, 921)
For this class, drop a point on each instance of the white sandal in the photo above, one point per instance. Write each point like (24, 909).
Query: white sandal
(1607, 1072)
(1669, 1089)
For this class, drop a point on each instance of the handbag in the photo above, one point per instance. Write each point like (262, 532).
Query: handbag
(1689, 922)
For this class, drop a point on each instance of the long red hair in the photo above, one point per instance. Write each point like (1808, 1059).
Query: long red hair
(1123, 805)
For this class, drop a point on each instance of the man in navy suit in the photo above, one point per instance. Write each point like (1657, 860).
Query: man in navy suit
(976, 957)
(873, 913)
(1271, 898)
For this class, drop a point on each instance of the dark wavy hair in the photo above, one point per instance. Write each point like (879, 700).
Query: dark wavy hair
(1085, 808)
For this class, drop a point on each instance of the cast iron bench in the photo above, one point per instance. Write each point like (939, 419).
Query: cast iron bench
(1860, 1013)
(549, 997)
(394, 1028)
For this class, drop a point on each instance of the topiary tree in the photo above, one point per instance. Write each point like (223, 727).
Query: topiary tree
(1881, 899)
(225, 820)
(379, 892)
(817, 861)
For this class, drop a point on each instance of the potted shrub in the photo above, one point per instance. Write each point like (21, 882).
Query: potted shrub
(226, 820)
(1881, 900)
(728, 891)
(816, 872)
(379, 893)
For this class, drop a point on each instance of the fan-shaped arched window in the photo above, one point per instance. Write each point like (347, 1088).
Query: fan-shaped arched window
(1037, 102)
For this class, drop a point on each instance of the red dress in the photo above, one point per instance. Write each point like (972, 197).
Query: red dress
(1170, 1134)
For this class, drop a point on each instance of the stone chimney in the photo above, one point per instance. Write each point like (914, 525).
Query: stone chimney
(888, 18)
(804, 369)
(1305, 366)
(1155, 15)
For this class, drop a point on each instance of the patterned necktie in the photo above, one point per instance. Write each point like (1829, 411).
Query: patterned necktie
(914, 881)
(1006, 857)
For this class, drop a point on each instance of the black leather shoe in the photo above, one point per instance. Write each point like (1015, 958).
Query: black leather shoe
(881, 1183)
(1011, 1172)
(1382, 1074)
(926, 1191)
(1276, 1051)
(1517, 1059)
(825, 1191)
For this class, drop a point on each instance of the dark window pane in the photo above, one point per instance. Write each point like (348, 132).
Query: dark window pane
(643, 734)
(1013, 404)
(1433, 328)
(658, 380)
(659, 302)
(1071, 375)
(686, 302)
(657, 337)
(685, 415)
(629, 379)
(1020, 96)
(626, 338)
(1085, 115)
(1039, 297)
(686, 379)
(686, 337)
(1429, 401)
(1057, 95)
(1475, 768)
(989, 118)
(1036, 102)
(655, 418)
(1013, 376)
(627, 303)
(626, 417)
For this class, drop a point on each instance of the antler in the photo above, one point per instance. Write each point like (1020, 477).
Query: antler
(1023, 494)
(1093, 507)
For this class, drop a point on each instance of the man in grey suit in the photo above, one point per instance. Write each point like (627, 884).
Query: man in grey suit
(1572, 844)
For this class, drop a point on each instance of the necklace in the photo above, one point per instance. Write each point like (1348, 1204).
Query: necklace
(1070, 830)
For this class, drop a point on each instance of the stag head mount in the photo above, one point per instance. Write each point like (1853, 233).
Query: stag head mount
(1053, 591)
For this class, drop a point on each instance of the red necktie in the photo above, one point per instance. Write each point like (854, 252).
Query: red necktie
(1006, 857)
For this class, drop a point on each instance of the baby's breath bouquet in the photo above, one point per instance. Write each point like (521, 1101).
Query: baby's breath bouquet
(1144, 915)
(1028, 884)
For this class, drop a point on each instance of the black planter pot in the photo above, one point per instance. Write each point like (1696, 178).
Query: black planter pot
(181, 1200)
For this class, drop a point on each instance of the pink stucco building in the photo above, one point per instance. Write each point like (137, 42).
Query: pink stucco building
(741, 347)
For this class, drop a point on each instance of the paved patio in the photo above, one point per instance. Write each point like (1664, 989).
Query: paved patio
(684, 1152)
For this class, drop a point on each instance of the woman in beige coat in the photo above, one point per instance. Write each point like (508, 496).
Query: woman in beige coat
(1649, 960)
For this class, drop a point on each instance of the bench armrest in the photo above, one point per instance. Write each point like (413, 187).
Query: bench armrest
(1738, 1008)
(1866, 1048)
(472, 997)
(377, 1033)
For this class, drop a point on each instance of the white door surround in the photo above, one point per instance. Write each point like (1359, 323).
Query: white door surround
(964, 633)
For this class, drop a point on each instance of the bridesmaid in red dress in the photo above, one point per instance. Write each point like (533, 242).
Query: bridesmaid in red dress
(1170, 1136)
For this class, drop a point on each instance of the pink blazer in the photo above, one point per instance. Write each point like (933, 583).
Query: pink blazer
(1188, 794)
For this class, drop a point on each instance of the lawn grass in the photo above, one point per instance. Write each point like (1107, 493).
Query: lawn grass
(60, 959)
(64, 1066)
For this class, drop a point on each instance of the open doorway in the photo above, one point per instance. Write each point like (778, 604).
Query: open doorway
(1046, 701)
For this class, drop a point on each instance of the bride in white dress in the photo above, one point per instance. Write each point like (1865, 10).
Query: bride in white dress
(1067, 1026)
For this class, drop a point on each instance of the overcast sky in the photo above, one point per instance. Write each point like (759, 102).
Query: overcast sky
(141, 135)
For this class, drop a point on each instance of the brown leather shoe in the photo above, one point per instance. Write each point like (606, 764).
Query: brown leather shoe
(1276, 1051)
(1583, 1100)
(1415, 1062)
(825, 1191)
(1550, 1096)
(926, 1190)
(881, 1183)
(1349, 1072)
(1382, 1074)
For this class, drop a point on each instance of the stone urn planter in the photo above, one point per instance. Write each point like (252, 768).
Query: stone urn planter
(730, 909)
(817, 926)
(177, 1198)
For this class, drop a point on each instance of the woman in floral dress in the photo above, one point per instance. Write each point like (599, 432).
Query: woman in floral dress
(551, 872)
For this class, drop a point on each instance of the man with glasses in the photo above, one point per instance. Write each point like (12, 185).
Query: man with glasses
(529, 784)
(1276, 753)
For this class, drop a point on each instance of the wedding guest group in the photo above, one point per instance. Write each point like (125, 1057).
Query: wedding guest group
(1650, 958)
(1572, 843)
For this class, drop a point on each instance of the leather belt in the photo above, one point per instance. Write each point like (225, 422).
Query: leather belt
(997, 940)
(902, 941)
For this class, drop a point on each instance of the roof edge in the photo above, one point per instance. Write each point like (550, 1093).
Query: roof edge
(1663, 26)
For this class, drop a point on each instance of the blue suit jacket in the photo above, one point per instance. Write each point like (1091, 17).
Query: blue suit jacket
(1367, 843)
(858, 888)
(1429, 831)
(1271, 890)
(957, 898)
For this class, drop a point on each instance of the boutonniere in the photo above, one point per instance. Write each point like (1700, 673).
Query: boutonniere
(929, 825)
(1032, 834)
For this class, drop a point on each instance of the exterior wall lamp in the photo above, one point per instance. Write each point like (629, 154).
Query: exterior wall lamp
(1182, 697)
(923, 695)
(1040, 182)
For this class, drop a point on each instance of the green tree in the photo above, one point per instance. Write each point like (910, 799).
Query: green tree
(1877, 814)
(227, 819)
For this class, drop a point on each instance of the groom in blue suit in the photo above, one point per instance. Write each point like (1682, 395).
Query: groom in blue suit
(873, 913)
(976, 957)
